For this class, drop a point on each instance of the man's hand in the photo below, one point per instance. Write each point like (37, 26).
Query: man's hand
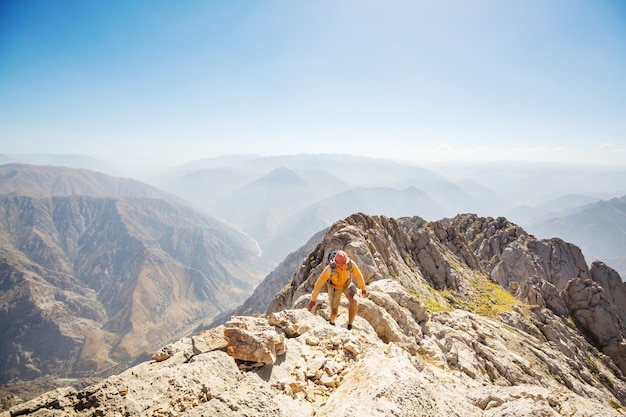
(311, 305)
(364, 293)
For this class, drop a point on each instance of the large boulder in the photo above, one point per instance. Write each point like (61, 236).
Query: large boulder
(253, 339)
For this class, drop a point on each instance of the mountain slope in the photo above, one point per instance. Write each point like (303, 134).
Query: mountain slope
(34, 180)
(94, 281)
(438, 336)
(106, 280)
(387, 201)
(265, 292)
(281, 189)
(598, 228)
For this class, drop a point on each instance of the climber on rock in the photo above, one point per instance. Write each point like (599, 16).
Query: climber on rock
(337, 276)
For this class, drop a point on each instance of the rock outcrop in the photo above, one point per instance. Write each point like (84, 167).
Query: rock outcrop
(465, 317)
(466, 365)
(454, 262)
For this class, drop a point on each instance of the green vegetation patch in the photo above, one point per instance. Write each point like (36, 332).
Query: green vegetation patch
(482, 297)
(490, 299)
(436, 301)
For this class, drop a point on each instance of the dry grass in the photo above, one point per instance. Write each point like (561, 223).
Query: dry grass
(477, 294)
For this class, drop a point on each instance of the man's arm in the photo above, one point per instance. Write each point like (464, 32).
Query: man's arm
(319, 284)
(359, 279)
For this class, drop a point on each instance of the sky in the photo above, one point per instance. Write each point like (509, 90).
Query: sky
(164, 82)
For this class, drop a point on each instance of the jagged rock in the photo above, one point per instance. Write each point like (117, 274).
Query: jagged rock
(601, 319)
(385, 383)
(253, 339)
(532, 401)
(181, 348)
(614, 287)
(447, 342)
(160, 356)
(330, 371)
(293, 322)
(208, 340)
(536, 271)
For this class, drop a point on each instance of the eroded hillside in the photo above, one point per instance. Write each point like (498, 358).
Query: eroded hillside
(90, 283)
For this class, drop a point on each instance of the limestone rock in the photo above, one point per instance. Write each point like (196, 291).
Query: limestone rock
(208, 340)
(181, 349)
(487, 370)
(253, 339)
(437, 340)
(592, 310)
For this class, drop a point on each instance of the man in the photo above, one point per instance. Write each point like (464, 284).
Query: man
(337, 275)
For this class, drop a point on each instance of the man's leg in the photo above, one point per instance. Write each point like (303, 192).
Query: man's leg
(334, 297)
(352, 309)
(333, 314)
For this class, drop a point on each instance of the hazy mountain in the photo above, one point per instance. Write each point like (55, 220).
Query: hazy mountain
(204, 188)
(5, 159)
(379, 200)
(353, 171)
(532, 184)
(274, 282)
(466, 317)
(261, 206)
(559, 206)
(60, 160)
(598, 228)
(489, 202)
(93, 281)
(275, 198)
(226, 161)
(37, 180)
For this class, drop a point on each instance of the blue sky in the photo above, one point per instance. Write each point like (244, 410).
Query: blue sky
(170, 81)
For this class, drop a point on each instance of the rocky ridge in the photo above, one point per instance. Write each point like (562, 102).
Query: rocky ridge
(466, 317)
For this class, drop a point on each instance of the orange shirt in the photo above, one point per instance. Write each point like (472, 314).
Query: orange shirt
(339, 279)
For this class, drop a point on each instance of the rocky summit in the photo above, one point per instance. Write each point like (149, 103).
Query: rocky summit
(465, 317)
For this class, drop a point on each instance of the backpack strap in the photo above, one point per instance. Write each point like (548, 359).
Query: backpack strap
(333, 271)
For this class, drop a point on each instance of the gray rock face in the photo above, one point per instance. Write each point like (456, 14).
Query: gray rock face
(439, 335)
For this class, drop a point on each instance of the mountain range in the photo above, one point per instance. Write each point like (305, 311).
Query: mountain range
(586, 226)
(280, 201)
(97, 271)
(466, 317)
(106, 269)
(295, 196)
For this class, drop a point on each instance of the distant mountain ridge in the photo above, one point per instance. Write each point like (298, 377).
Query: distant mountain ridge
(36, 180)
(223, 186)
(599, 228)
(522, 192)
(94, 281)
(322, 189)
